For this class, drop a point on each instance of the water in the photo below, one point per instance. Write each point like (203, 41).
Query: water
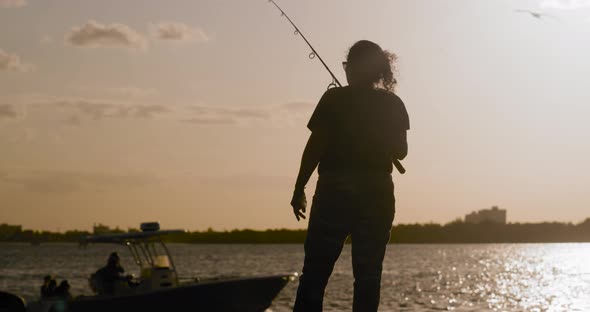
(488, 277)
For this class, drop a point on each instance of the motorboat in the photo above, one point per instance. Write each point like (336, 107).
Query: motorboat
(158, 287)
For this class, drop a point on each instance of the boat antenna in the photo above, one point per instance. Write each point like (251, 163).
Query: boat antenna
(335, 82)
(314, 53)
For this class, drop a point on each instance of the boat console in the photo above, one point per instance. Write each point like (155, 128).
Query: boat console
(149, 253)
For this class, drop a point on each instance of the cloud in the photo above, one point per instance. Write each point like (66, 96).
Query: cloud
(92, 109)
(12, 3)
(74, 111)
(208, 115)
(298, 106)
(94, 34)
(231, 112)
(13, 62)
(280, 114)
(565, 4)
(149, 111)
(7, 111)
(174, 31)
(55, 181)
(97, 109)
(207, 121)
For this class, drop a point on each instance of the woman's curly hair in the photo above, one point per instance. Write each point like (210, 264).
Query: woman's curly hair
(375, 63)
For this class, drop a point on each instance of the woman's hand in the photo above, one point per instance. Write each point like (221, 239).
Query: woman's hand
(299, 204)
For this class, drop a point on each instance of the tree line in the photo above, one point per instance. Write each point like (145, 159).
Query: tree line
(432, 233)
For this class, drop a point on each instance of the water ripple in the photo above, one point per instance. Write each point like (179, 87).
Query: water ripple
(487, 277)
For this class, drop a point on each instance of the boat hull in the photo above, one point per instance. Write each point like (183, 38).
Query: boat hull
(11, 303)
(244, 295)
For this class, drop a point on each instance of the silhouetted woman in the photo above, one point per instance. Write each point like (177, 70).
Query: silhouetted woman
(357, 131)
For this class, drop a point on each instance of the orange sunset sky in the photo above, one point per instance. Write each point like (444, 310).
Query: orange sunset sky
(193, 113)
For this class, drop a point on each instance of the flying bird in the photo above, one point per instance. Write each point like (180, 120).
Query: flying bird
(537, 15)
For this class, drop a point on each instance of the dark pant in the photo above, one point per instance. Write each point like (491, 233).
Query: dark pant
(362, 207)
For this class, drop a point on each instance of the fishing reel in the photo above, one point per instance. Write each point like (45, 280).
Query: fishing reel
(333, 84)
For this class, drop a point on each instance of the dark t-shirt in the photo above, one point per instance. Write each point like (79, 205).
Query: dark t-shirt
(108, 276)
(362, 125)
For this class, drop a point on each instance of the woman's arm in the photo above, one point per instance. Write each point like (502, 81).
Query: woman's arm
(314, 150)
(400, 145)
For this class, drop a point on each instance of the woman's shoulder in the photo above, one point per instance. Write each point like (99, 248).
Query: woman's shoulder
(387, 93)
(336, 94)
(389, 96)
(383, 95)
(337, 90)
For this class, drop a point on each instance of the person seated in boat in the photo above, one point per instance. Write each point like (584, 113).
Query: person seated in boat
(48, 287)
(63, 290)
(110, 275)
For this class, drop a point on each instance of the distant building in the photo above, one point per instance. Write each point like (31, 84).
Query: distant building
(104, 229)
(493, 215)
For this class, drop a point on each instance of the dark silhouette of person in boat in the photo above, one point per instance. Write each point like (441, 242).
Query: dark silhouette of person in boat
(62, 291)
(356, 132)
(48, 287)
(107, 277)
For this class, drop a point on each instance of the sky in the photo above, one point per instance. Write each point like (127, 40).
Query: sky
(193, 113)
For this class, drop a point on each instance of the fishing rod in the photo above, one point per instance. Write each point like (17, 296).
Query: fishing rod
(335, 82)
(314, 53)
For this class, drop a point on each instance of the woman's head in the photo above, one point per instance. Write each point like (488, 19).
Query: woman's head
(368, 64)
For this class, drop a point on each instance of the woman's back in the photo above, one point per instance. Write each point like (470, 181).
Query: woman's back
(361, 124)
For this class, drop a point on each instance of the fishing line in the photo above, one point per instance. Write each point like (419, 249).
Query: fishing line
(314, 53)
